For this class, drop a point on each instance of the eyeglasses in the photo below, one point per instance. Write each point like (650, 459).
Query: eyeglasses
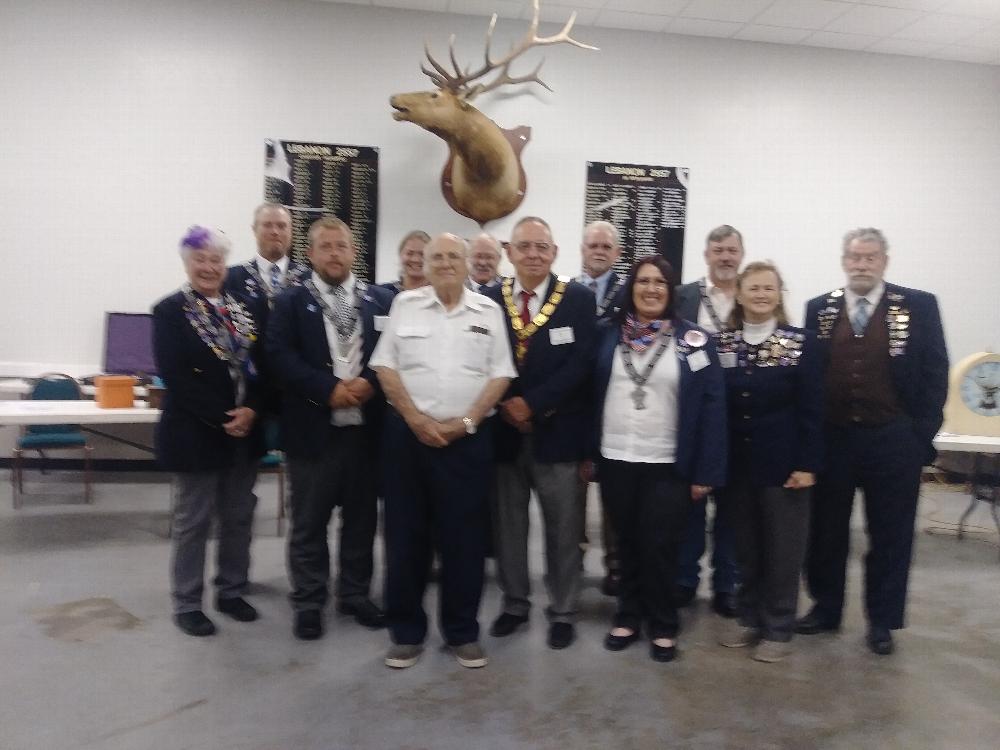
(542, 247)
(654, 283)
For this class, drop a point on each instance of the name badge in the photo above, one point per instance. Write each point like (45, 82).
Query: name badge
(562, 335)
(727, 359)
(380, 322)
(479, 329)
(698, 360)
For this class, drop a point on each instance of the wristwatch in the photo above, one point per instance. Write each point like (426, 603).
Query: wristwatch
(470, 426)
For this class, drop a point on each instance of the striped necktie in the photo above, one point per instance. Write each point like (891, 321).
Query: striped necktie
(859, 321)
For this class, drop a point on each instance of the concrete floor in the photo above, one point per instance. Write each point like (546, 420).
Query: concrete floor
(90, 659)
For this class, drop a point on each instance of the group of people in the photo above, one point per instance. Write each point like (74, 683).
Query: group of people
(454, 394)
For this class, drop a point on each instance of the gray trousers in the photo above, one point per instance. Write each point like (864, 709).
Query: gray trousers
(771, 527)
(562, 500)
(228, 495)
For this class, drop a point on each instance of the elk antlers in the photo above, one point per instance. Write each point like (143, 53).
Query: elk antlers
(459, 82)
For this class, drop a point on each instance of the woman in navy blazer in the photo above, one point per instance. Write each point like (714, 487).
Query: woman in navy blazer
(774, 386)
(205, 342)
(661, 445)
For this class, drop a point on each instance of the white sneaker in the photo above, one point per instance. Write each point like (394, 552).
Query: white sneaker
(771, 651)
(403, 655)
(470, 655)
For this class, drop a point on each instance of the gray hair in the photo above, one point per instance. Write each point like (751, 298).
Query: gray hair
(202, 238)
(866, 234)
(527, 219)
(487, 237)
(270, 207)
(445, 235)
(601, 224)
(721, 232)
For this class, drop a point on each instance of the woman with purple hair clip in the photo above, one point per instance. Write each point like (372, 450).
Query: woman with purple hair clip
(206, 343)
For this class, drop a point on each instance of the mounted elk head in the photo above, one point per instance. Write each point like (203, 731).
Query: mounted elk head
(483, 178)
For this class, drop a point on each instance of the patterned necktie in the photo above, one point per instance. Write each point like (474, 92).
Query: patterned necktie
(275, 277)
(344, 315)
(861, 315)
(593, 285)
(525, 312)
(483, 288)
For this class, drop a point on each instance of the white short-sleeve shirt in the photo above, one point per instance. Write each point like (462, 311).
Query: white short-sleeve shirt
(444, 358)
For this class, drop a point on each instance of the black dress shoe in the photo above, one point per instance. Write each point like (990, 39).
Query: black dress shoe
(506, 624)
(561, 634)
(308, 625)
(620, 642)
(237, 608)
(194, 623)
(611, 584)
(880, 641)
(662, 653)
(724, 604)
(815, 622)
(364, 612)
(684, 595)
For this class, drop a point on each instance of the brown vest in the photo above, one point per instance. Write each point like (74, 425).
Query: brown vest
(859, 387)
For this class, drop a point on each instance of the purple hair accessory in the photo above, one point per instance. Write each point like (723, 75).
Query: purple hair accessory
(196, 238)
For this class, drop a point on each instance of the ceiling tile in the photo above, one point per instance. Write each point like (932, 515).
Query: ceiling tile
(639, 21)
(873, 20)
(903, 47)
(439, 5)
(802, 14)
(979, 8)
(938, 27)
(724, 10)
(927, 5)
(560, 14)
(653, 7)
(503, 8)
(775, 34)
(967, 54)
(839, 41)
(703, 27)
(989, 37)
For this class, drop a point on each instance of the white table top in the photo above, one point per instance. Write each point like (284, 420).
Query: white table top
(947, 441)
(20, 387)
(72, 412)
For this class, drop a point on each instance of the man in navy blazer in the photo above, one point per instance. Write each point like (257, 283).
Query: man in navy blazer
(541, 437)
(600, 250)
(886, 382)
(320, 338)
(264, 276)
(709, 302)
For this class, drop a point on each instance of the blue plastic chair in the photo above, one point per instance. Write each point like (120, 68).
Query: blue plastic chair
(51, 386)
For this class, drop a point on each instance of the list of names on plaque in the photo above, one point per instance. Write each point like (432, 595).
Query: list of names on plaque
(320, 179)
(647, 204)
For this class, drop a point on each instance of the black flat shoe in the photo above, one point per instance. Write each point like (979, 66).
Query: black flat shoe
(194, 623)
(506, 624)
(620, 642)
(815, 622)
(611, 584)
(662, 653)
(237, 608)
(308, 625)
(364, 612)
(880, 641)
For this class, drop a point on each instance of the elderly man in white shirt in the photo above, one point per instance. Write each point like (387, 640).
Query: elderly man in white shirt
(443, 361)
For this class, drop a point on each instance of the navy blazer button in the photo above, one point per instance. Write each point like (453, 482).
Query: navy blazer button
(746, 393)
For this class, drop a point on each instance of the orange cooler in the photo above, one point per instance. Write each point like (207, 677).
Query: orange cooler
(114, 391)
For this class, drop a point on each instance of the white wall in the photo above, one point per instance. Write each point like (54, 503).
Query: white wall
(124, 122)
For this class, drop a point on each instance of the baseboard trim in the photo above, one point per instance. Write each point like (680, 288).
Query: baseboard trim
(76, 464)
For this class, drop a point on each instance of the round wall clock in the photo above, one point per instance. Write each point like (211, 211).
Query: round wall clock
(973, 406)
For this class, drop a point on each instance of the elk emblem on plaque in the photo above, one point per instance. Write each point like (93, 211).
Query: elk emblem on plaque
(483, 178)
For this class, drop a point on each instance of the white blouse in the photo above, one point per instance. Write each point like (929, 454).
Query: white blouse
(642, 435)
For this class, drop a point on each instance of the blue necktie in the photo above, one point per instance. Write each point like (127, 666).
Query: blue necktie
(275, 277)
(861, 314)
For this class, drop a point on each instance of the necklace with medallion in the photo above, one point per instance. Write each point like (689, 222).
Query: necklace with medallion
(523, 332)
(639, 392)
